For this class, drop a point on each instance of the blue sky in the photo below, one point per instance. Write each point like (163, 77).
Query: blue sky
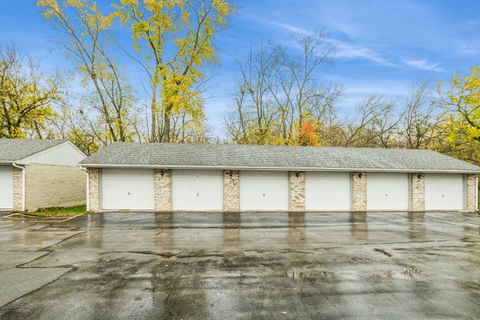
(381, 46)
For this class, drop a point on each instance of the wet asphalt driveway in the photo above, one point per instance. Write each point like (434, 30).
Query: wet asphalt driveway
(242, 266)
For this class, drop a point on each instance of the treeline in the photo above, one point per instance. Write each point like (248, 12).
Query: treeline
(280, 98)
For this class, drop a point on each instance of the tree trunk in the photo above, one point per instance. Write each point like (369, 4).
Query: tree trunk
(167, 125)
(153, 109)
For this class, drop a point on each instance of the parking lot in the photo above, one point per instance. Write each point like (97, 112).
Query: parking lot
(242, 266)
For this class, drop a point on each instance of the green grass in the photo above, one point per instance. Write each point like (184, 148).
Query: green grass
(60, 212)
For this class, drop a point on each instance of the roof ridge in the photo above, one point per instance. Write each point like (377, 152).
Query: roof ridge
(261, 145)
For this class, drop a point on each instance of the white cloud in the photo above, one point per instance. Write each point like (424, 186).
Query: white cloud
(378, 88)
(350, 51)
(355, 93)
(423, 64)
(290, 28)
(344, 50)
(362, 87)
(468, 48)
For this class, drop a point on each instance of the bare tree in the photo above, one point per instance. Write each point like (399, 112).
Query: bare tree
(253, 115)
(374, 127)
(280, 91)
(420, 119)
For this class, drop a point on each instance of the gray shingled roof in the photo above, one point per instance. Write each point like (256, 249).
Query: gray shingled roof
(162, 155)
(12, 150)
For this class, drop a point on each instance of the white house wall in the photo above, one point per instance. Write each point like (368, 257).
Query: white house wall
(53, 186)
(65, 154)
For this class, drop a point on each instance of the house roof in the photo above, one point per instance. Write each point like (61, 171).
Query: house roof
(12, 150)
(231, 156)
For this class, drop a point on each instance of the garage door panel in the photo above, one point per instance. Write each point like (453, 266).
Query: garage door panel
(130, 189)
(197, 190)
(263, 191)
(6, 187)
(327, 191)
(387, 191)
(444, 192)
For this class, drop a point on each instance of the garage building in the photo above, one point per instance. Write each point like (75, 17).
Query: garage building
(40, 174)
(182, 177)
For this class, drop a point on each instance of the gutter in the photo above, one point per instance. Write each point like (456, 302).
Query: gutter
(23, 183)
(139, 166)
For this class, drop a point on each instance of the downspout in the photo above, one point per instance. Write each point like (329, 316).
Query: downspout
(88, 188)
(23, 183)
(476, 193)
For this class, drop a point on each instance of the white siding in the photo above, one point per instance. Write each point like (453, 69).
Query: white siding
(131, 189)
(387, 191)
(6, 187)
(263, 191)
(197, 190)
(444, 192)
(64, 154)
(328, 191)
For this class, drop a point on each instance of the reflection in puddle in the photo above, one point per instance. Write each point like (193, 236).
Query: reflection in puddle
(470, 233)
(359, 225)
(416, 226)
(94, 230)
(164, 221)
(296, 227)
(231, 228)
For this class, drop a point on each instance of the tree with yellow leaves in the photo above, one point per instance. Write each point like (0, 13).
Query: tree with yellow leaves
(461, 120)
(85, 28)
(27, 97)
(463, 100)
(175, 40)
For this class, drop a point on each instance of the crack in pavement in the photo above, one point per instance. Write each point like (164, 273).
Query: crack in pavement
(14, 289)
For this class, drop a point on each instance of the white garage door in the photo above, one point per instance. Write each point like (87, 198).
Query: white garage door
(387, 191)
(444, 192)
(6, 187)
(197, 190)
(129, 189)
(263, 190)
(327, 191)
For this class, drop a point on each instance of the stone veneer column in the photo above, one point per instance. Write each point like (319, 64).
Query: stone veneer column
(163, 190)
(417, 192)
(94, 189)
(472, 202)
(359, 191)
(17, 189)
(296, 190)
(231, 190)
